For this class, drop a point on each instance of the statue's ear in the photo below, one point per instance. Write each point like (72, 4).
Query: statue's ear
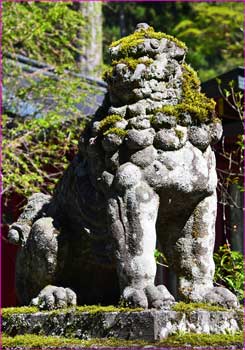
(216, 131)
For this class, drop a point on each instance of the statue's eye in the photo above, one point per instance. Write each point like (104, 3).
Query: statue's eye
(179, 58)
(154, 44)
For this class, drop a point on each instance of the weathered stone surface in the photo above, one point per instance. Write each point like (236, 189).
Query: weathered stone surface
(35, 208)
(171, 139)
(138, 139)
(144, 157)
(118, 110)
(111, 142)
(147, 325)
(161, 120)
(215, 131)
(97, 235)
(199, 137)
(140, 123)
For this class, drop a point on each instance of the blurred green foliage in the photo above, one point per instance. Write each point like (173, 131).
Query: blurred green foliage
(45, 31)
(229, 270)
(213, 31)
(35, 152)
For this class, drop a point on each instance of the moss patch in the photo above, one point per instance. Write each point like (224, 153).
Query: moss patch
(169, 110)
(181, 306)
(109, 121)
(117, 131)
(179, 134)
(197, 104)
(107, 126)
(32, 340)
(109, 308)
(138, 37)
(203, 339)
(132, 62)
(6, 312)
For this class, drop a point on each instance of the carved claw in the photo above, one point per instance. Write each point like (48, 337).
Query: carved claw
(221, 296)
(52, 297)
(157, 297)
(133, 297)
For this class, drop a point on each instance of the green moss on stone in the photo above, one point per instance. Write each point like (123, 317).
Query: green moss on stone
(108, 308)
(169, 110)
(187, 307)
(196, 227)
(181, 339)
(117, 131)
(7, 312)
(109, 121)
(138, 37)
(191, 76)
(216, 120)
(130, 62)
(33, 340)
(107, 73)
(195, 339)
(133, 62)
(198, 105)
(179, 134)
(241, 317)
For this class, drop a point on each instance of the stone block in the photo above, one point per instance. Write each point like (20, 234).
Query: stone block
(148, 325)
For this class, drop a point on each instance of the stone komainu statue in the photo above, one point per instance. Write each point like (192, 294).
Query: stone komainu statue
(144, 171)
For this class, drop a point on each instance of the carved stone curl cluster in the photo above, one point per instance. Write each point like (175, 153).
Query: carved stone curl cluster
(145, 114)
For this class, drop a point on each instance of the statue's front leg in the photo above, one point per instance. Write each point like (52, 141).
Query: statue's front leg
(195, 265)
(132, 210)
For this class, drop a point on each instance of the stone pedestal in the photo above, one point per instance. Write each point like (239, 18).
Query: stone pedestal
(150, 325)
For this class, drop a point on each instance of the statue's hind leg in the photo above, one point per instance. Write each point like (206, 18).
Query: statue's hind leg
(133, 209)
(36, 269)
(193, 258)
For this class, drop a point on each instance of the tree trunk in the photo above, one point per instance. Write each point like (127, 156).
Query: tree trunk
(122, 20)
(90, 59)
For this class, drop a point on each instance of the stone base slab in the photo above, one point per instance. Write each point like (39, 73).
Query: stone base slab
(147, 325)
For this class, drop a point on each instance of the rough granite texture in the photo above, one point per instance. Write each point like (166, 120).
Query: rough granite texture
(141, 174)
(147, 325)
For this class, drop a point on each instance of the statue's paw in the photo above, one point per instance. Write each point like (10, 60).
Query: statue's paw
(221, 296)
(52, 297)
(133, 297)
(157, 297)
(18, 233)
